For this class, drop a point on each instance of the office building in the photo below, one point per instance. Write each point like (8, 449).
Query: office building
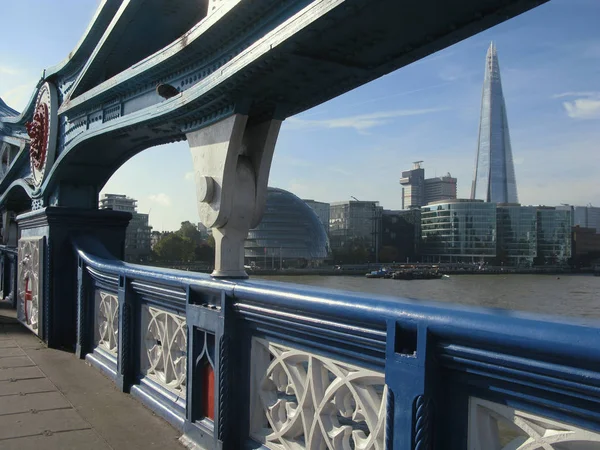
(355, 222)
(289, 235)
(585, 247)
(474, 231)
(494, 179)
(553, 236)
(137, 236)
(439, 188)
(517, 235)
(321, 209)
(459, 231)
(400, 234)
(413, 186)
(418, 191)
(583, 216)
(118, 202)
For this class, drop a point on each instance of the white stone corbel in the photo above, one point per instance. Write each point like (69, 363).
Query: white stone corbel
(231, 161)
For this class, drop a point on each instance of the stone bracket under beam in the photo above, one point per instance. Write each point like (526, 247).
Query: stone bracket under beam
(232, 160)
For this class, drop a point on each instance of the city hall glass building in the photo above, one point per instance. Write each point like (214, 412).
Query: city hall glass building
(290, 234)
(494, 178)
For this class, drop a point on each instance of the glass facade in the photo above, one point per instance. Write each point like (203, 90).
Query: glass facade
(355, 221)
(554, 236)
(517, 235)
(137, 237)
(494, 179)
(459, 231)
(290, 234)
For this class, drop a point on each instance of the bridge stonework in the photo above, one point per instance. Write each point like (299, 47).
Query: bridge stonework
(231, 362)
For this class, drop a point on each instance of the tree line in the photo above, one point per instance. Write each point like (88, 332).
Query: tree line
(185, 245)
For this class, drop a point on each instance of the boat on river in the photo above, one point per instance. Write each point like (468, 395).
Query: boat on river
(381, 273)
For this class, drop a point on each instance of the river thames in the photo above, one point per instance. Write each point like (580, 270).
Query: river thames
(561, 295)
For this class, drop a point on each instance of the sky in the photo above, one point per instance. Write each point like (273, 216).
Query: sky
(359, 143)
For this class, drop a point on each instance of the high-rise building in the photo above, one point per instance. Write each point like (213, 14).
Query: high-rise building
(494, 179)
(355, 221)
(137, 235)
(413, 186)
(418, 191)
(440, 188)
(322, 211)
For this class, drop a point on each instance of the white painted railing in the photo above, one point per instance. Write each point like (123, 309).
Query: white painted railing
(301, 400)
(106, 334)
(164, 349)
(497, 427)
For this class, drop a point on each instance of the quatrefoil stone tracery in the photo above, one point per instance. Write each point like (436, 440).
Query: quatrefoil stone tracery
(107, 321)
(308, 401)
(166, 349)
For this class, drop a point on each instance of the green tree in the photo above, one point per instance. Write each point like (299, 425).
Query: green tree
(173, 247)
(190, 231)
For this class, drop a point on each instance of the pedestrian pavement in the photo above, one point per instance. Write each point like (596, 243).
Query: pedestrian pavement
(49, 399)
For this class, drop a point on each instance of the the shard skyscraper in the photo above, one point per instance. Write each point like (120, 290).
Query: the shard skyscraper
(494, 179)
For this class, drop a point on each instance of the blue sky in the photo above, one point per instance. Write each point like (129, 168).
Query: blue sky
(357, 144)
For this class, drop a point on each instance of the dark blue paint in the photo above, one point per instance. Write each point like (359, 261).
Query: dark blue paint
(434, 355)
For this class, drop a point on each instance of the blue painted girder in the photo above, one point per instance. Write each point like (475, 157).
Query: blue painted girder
(266, 59)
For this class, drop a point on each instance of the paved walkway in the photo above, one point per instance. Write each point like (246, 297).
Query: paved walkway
(50, 400)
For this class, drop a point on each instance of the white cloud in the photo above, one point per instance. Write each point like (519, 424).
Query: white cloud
(453, 72)
(341, 171)
(189, 176)
(5, 70)
(361, 122)
(575, 94)
(585, 107)
(162, 199)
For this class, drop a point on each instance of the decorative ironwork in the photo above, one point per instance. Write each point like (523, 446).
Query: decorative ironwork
(223, 386)
(42, 131)
(125, 349)
(30, 286)
(302, 400)
(389, 420)
(107, 321)
(496, 426)
(422, 420)
(165, 344)
(38, 130)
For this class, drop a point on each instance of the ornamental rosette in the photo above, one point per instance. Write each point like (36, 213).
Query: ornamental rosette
(37, 130)
(42, 131)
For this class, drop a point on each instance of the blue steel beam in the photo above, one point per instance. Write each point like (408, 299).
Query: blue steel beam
(266, 59)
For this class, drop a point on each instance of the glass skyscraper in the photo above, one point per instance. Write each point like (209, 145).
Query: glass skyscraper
(494, 179)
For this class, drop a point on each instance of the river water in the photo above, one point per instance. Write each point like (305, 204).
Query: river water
(564, 295)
